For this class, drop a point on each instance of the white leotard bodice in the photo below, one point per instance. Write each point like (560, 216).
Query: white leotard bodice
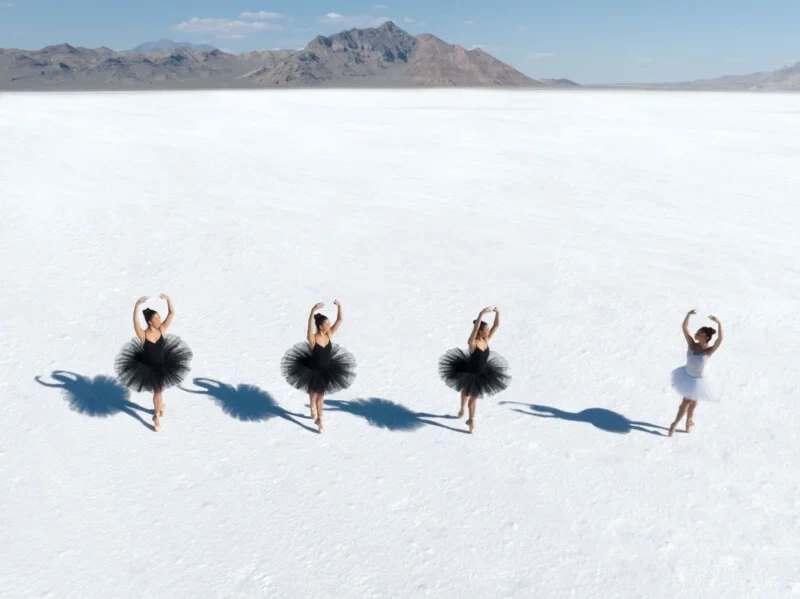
(695, 364)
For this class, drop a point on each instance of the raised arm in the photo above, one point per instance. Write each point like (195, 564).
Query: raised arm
(689, 339)
(136, 326)
(474, 335)
(310, 336)
(170, 314)
(720, 336)
(339, 317)
(496, 324)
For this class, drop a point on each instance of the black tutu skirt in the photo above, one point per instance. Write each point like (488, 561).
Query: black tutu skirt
(454, 370)
(339, 375)
(134, 373)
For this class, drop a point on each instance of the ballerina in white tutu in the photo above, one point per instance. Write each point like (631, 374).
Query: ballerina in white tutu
(690, 380)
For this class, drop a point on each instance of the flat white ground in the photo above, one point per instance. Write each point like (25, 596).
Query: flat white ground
(593, 220)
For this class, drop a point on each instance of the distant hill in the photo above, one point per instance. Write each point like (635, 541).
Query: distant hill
(165, 44)
(374, 57)
(566, 83)
(67, 67)
(387, 55)
(784, 79)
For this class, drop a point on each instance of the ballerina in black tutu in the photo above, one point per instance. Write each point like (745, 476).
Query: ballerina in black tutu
(152, 361)
(475, 374)
(316, 366)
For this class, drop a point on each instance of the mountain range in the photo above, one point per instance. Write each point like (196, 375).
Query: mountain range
(785, 79)
(385, 56)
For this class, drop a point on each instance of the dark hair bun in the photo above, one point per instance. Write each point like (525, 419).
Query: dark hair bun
(709, 332)
(319, 319)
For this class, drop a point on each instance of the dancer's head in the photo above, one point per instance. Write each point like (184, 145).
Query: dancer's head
(483, 330)
(322, 322)
(704, 335)
(152, 318)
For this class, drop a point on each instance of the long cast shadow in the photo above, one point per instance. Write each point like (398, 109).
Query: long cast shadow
(98, 397)
(605, 420)
(389, 415)
(245, 402)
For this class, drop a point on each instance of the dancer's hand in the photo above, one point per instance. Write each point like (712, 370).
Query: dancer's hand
(337, 303)
(164, 296)
(714, 319)
(141, 300)
(319, 306)
(691, 312)
(485, 311)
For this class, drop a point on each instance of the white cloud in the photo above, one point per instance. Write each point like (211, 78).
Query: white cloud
(7, 4)
(380, 7)
(411, 21)
(540, 55)
(225, 28)
(468, 22)
(522, 27)
(261, 14)
(352, 20)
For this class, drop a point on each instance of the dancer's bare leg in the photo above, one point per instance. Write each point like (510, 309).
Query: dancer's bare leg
(471, 422)
(681, 413)
(312, 399)
(158, 409)
(464, 399)
(690, 415)
(320, 409)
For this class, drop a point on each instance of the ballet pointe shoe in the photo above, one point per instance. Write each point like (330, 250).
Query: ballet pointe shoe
(672, 428)
(689, 425)
(156, 423)
(318, 422)
(471, 425)
(161, 412)
(460, 413)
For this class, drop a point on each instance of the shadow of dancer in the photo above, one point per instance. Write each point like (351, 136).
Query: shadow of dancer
(392, 416)
(605, 420)
(244, 402)
(99, 397)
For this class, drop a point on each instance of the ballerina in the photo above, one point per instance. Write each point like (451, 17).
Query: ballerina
(317, 366)
(477, 373)
(689, 380)
(152, 361)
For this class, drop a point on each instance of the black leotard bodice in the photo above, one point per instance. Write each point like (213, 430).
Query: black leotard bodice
(153, 354)
(320, 357)
(478, 359)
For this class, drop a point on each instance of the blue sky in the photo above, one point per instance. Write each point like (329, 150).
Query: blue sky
(585, 40)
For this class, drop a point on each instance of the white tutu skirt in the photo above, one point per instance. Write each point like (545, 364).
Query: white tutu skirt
(698, 389)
